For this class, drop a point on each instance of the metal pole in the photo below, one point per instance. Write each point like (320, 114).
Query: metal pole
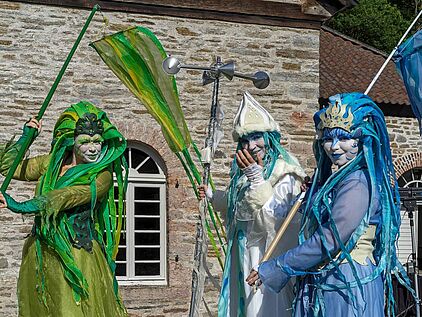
(47, 99)
(211, 126)
(201, 246)
(415, 275)
(391, 54)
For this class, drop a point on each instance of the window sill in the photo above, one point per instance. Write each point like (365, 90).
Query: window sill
(142, 282)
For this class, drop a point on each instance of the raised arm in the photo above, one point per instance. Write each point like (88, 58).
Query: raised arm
(29, 169)
(350, 205)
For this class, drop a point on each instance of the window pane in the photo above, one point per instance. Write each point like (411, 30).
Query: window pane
(147, 238)
(147, 269)
(149, 167)
(137, 157)
(147, 254)
(144, 216)
(411, 178)
(147, 223)
(122, 238)
(120, 269)
(147, 209)
(118, 217)
(127, 155)
(121, 255)
(147, 193)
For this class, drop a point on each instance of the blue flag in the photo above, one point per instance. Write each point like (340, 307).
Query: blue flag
(408, 59)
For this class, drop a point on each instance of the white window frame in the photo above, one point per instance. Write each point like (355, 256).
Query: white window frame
(153, 181)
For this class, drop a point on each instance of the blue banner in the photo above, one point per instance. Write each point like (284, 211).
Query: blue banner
(408, 59)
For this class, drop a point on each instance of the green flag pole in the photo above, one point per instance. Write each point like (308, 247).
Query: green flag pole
(47, 99)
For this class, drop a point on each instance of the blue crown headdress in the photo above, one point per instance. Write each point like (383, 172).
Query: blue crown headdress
(336, 115)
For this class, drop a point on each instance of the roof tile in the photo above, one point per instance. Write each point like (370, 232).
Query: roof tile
(348, 65)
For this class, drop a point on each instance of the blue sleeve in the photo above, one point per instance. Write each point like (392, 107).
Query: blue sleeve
(350, 205)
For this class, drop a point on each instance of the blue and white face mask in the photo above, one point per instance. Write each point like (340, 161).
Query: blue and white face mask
(254, 143)
(339, 145)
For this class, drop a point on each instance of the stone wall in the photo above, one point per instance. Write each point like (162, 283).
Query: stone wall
(404, 136)
(406, 143)
(34, 42)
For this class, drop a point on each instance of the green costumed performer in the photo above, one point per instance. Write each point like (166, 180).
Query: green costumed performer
(68, 261)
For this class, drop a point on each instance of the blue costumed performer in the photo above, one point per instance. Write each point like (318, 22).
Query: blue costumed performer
(346, 254)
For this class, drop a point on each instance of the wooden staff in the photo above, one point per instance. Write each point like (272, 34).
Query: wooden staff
(283, 228)
(279, 235)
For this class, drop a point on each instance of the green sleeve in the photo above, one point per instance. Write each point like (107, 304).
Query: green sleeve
(62, 199)
(73, 196)
(32, 206)
(29, 169)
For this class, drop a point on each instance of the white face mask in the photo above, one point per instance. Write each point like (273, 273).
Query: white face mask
(254, 143)
(87, 149)
(340, 148)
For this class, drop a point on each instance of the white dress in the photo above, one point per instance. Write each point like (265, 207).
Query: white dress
(259, 213)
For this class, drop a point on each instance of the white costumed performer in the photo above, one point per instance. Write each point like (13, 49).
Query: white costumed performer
(265, 179)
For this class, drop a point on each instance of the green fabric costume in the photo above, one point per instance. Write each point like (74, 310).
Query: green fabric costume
(68, 261)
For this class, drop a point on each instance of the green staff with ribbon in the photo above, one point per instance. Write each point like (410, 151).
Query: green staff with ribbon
(135, 56)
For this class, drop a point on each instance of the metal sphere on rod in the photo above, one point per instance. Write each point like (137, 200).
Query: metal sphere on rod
(261, 80)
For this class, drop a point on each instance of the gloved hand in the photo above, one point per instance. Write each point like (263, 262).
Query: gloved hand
(31, 123)
(254, 174)
(32, 206)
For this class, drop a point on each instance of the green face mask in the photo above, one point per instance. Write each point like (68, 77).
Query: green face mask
(87, 149)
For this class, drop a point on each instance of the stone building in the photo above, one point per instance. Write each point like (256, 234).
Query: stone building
(281, 37)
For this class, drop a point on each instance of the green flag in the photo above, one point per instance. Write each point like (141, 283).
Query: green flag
(135, 56)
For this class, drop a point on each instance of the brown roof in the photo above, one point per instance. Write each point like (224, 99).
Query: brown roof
(298, 14)
(348, 65)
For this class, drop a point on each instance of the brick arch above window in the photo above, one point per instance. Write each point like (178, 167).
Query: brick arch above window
(407, 162)
(148, 134)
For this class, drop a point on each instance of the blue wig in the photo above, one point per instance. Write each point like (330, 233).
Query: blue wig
(361, 118)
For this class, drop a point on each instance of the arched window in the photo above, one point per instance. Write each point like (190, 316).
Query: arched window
(142, 251)
(411, 178)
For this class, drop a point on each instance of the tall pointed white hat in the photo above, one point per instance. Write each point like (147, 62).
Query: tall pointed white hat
(252, 117)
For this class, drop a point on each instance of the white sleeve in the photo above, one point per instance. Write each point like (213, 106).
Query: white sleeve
(283, 197)
(269, 218)
(219, 203)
